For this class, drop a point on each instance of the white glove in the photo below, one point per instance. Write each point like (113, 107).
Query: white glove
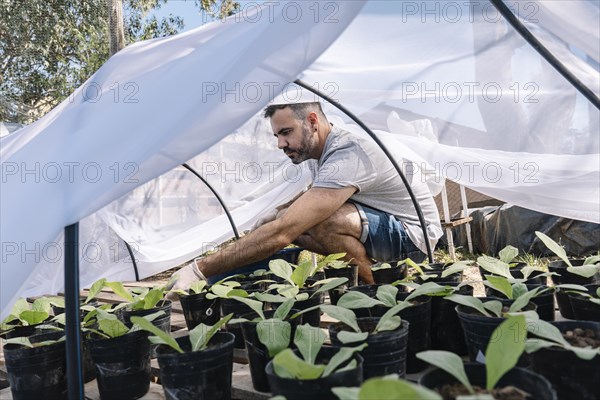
(183, 279)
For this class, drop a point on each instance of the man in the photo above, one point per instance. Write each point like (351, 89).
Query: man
(357, 204)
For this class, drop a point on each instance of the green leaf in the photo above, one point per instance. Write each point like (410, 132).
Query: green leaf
(282, 269)
(449, 362)
(469, 301)
(341, 314)
(198, 286)
(288, 365)
(95, 289)
(31, 317)
(270, 298)
(162, 337)
(344, 393)
(395, 389)
(501, 284)
(554, 247)
(523, 300)
(290, 292)
(42, 304)
(354, 299)
(592, 260)
(119, 290)
(255, 305)
(426, 288)
(390, 321)
(508, 254)
(503, 353)
(21, 340)
(586, 271)
(152, 298)
(494, 306)
(113, 327)
(284, 309)
(519, 289)
(301, 274)
(329, 284)
(200, 336)
(455, 268)
(221, 290)
(379, 266)
(387, 295)
(352, 337)
(527, 271)
(274, 334)
(309, 341)
(545, 330)
(494, 266)
(343, 355)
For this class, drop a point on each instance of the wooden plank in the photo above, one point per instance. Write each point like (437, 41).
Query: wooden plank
(457, 222)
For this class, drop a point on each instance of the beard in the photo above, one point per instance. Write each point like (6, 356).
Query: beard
(302, 152)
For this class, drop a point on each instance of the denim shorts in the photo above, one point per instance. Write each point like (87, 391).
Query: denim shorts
(384, 236)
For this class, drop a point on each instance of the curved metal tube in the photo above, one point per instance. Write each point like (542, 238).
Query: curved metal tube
(229, 217)
(387, 153)
(544, 52)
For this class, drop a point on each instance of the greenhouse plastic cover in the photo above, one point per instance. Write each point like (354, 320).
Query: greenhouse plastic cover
(450, 87)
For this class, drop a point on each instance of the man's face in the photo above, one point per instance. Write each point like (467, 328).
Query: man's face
(294, 137)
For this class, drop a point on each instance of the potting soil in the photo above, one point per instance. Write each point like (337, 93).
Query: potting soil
(582, 338)
(450, 392)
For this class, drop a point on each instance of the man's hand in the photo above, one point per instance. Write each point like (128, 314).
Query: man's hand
(183, 279)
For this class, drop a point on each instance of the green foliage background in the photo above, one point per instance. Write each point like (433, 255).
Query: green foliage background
(48, 48)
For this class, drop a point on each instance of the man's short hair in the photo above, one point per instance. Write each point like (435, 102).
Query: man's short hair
(300, 110)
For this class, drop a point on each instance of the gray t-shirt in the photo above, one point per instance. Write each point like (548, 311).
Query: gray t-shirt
(349, 159)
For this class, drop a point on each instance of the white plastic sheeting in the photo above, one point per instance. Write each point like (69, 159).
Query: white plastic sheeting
(449, 86)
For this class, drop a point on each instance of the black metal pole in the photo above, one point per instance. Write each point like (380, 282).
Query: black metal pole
(72, 327)
(135, 268)
(544, 52)
(387, 153)
(219, 199)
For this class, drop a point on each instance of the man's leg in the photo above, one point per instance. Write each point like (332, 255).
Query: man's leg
(340, 233)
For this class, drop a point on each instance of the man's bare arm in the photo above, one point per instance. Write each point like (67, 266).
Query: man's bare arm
(313, 207)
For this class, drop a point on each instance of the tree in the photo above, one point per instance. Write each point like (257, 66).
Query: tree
(50, 47)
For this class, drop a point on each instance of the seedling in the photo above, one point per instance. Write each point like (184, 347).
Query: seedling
(139, 298)
(519, 289)
(274, 333)
(493, 308)
(387, 322)
(199, 336)
(295, 278)
(389, 387)
(590, 267)
(502, 265)
(24, 341)
(501, 355)
(309, 340)
(109, 325)
(548, 335)
(24, 314)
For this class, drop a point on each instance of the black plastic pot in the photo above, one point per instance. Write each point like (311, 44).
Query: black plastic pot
(320, 389)
(437, 269)
(350, 272)
(583, 308)
(258, 355)
(478, 328)
(197, 309)
(122, 365)
(446, 330)
(536, 385)
(198, 375)
(419, 334)
(38, 372)
(389, 275)
(386, 351)
(163, 322)
(562, 297)
(571, 377)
